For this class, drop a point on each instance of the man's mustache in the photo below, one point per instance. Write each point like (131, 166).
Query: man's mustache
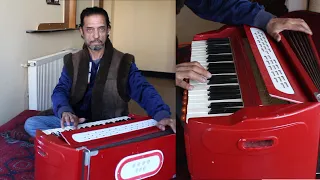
(98, 41)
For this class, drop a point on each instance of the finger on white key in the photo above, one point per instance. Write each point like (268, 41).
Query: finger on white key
(195, 83)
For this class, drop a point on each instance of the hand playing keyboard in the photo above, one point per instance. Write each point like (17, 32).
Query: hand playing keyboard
(68, 118)
(219, 95)
(192, 71)
(167, 122)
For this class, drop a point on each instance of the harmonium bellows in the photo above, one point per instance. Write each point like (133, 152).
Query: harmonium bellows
(128, 147)
(261, 95)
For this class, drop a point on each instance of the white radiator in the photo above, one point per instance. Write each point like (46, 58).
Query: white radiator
(43, 76)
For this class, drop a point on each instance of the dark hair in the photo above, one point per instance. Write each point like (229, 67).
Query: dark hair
(94, 11)
(179, 5)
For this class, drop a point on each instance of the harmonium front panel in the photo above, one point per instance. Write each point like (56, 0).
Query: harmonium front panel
(128, 147)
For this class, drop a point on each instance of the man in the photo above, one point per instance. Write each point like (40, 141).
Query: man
(97, 82)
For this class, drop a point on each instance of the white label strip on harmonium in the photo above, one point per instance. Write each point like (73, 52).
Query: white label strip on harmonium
(111, 131)
(85, 125)
(275, 71)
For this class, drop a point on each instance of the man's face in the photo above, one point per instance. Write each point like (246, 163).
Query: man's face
(94, 32)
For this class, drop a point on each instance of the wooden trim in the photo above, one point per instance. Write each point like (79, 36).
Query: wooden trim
(70, 13)
(45, 26)
(101, 3)
(50, 30)
(112, 17)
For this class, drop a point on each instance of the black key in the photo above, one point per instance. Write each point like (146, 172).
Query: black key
(55, 134)
(224, 96)
(220, 65)
(213, 68)
(222, 88)
(217, 58)
(221, 71)
(223, 110)
(225, 104)
(219, 40)
(223, 79)
(218, 51)
(216, 46)
(228, 91)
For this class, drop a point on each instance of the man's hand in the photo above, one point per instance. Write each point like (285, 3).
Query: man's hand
(68, 117)
(277, 25)
(167, 122)
(192, 71)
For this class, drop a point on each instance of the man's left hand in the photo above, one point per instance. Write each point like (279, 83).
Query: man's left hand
(167, 122)
(277, 25)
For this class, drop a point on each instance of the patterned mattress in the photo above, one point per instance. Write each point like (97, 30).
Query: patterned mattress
(16, 151)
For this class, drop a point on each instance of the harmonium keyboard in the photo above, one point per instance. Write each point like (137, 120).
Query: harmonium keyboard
(122, 148)
(258, 115)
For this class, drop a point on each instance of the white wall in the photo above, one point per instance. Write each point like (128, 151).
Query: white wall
(17, 47)
(189, 24)
(146, 29)
(82, 4)
(295, 5)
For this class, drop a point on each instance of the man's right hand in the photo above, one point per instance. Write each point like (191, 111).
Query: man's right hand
(68, 117)
(191, 71)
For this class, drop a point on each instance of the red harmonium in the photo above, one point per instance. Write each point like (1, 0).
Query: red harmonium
(123, 148)
(258, 116)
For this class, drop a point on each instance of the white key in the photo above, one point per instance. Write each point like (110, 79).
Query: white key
(206, 103)
(198, 103)
(204, 46)
(205, 86)
(204, 53)
(196, 83)
(204, 42)
(113, 120)
(194, 43)
(198, 97)
(215, 63)
(198, 92)
(198, 110)
(112, 131)
(195, 56)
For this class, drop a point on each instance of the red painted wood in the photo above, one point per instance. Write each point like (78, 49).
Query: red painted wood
(55, 159)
